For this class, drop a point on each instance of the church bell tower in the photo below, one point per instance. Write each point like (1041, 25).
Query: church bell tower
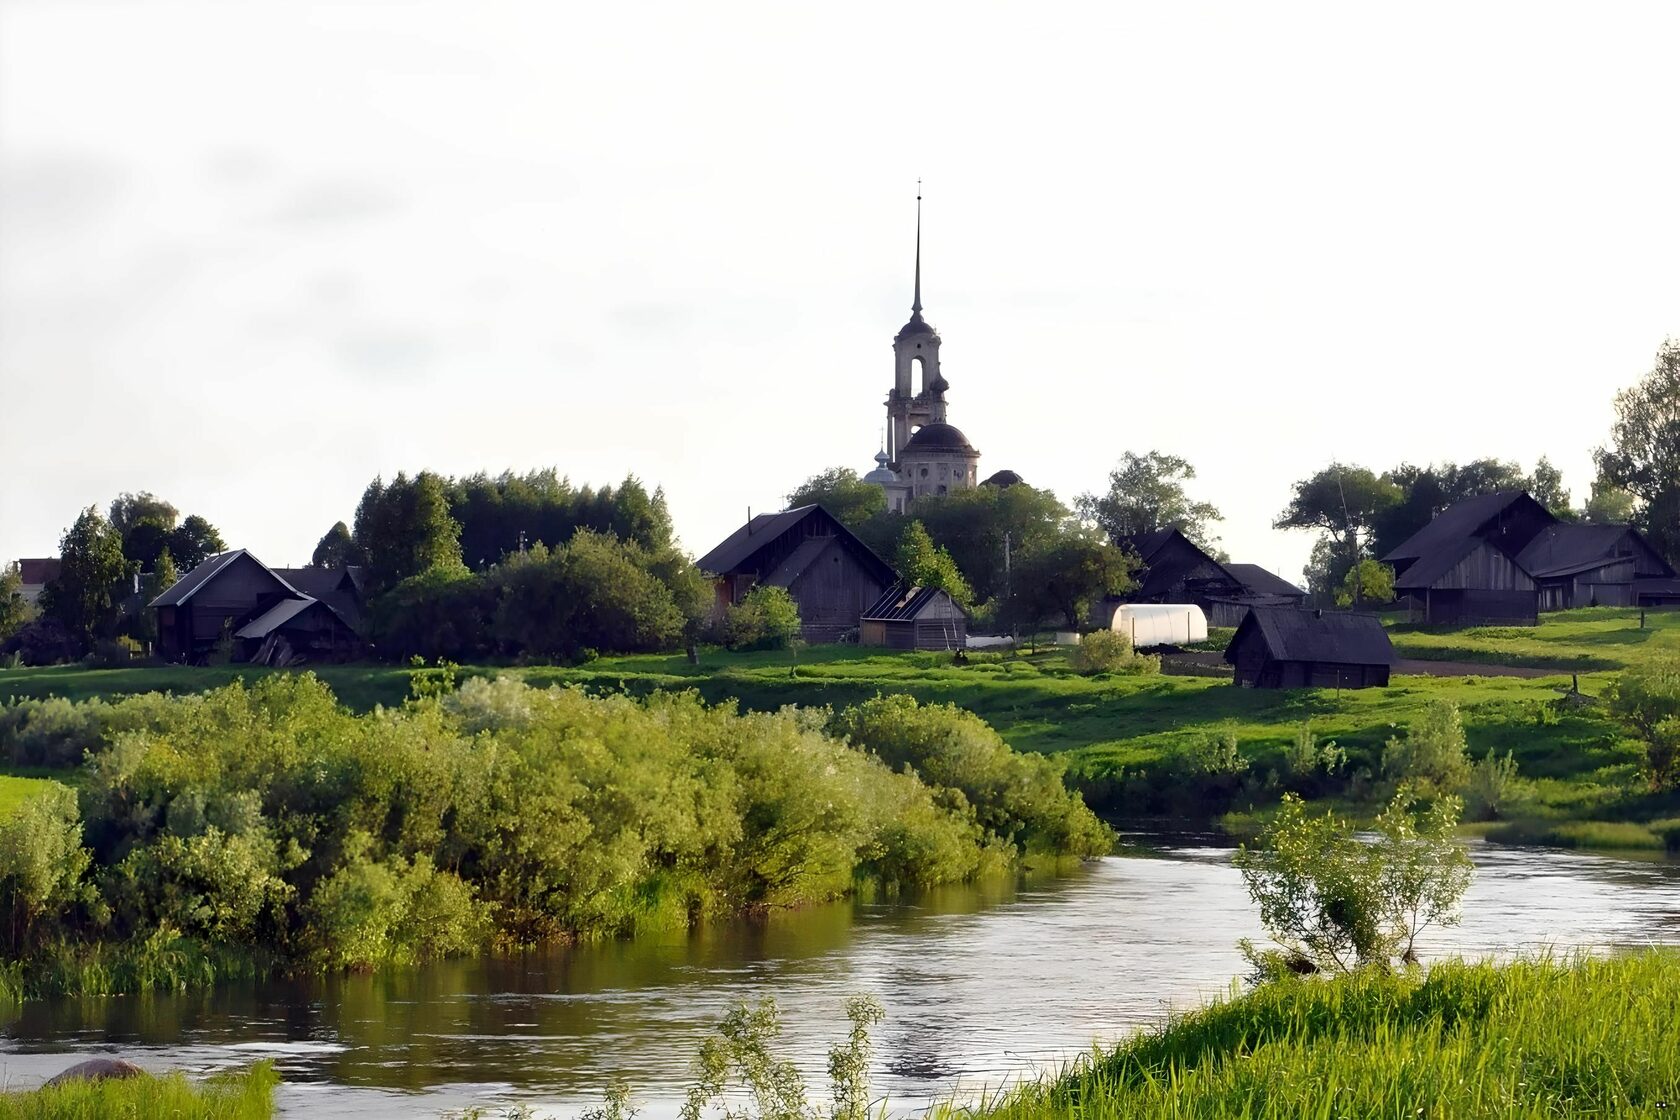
(918, 393)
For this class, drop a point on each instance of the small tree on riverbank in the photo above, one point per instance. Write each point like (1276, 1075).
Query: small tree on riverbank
(1647, 700)
(1334, 903)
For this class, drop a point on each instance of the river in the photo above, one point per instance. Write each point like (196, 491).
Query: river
(980, 984)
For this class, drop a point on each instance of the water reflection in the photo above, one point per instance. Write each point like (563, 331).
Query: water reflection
(979, 984)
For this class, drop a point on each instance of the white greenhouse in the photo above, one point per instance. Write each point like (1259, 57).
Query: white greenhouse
(1161, 624)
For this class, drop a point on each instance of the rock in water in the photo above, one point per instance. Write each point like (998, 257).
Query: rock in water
(98, 1069)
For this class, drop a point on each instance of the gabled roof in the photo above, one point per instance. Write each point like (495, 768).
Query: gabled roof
(1329, 637)
(1146, 545)
(763, 530)
(749, 538)
(798, 560)
(902, 603)
(1564, 549)
(187, 586)
(1258, 581)
(1456, 523)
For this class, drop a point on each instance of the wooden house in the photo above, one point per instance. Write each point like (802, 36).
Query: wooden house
(1595, 566)
(831, 574)
(914, 618)
(1503, 558)
(1284, 647)
(1461, 568)
(1177, 570)
(260, 610)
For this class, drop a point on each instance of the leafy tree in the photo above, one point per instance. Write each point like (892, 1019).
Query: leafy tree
(404, 528)
(1146, 493)
(840, 491)
(973, 524)
(1064, 576)
(1366, 583)
(130, 511)
(42, 864)
(1644, 452)
(501, 514)
(1608, 505)
(14, 611)
(92, 569)
(1334, 903)
(194, 541)
(1344, 503)
(593, 593)
(924, 564)
(335, 549)
(1546, 486)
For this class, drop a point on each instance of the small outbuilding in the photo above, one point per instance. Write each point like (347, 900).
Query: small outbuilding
(1283, 647)
(914, 618)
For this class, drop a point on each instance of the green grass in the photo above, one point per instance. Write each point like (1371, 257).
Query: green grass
(15, 791)
(247, 1095)
(1530, 1039)
(1587, 641)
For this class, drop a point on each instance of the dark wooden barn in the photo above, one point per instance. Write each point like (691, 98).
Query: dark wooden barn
(1284, 647)
(1259, 588)
(1461, 568)
(1503, 558)
(237, 594)
(829, 572)
(1177, 570)
(1595, 566)
(914, 618)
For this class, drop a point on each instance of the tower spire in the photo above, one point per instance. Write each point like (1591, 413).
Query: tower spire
(916, 305)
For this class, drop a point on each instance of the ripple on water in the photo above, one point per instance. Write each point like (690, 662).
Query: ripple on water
(980, 988)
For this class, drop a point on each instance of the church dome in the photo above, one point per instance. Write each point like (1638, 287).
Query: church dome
(939, 436)
(916, 327)
(882, 475)
(1003, 480)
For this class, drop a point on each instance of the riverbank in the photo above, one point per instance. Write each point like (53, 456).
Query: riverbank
(1458, 1040)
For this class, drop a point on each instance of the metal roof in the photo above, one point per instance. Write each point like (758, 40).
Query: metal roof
(902, 603)
(763, 530)
(938, 436)
(187, 586)
(274, 617)
(1329, 637)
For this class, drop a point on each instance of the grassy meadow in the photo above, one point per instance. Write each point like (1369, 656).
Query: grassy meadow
(1111, 732)
(1458, 1040)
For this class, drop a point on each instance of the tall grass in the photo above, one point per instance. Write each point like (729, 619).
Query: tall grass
(246, 1095)
(1529, 1039)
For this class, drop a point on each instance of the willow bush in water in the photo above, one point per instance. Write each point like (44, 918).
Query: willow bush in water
(270, 823)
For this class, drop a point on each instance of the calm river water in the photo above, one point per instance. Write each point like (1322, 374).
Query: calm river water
(981, 985)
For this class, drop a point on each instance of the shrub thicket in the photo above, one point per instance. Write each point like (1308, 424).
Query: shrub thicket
(269, 821)
(1110, 651)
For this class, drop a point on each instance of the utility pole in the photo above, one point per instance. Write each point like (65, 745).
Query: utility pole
(1353, 534)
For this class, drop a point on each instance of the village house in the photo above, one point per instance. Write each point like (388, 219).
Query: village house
(1502, 558)
(1285, 647)
(272, 616)
(831, 575)
(1177, 570)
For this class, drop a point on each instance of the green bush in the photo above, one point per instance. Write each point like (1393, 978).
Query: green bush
(1020, 798)
(267, 823)
(1647, 700)
(1433, 756)
(765, 618)
(1493, 787)
(1110, 651)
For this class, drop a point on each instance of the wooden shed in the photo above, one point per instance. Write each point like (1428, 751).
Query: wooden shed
(914, 618)
(1283, 647)
(829, 572)
(318, 609)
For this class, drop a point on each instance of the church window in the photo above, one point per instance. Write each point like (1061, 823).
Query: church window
(924, 472)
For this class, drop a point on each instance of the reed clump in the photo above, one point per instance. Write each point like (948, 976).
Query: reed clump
(242, 1095)
(1543, 1037)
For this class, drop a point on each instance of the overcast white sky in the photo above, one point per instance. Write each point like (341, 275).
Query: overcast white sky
(253, 253)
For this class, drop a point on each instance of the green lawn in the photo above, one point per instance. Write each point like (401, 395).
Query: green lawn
(14, 791)
(1583, 766)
